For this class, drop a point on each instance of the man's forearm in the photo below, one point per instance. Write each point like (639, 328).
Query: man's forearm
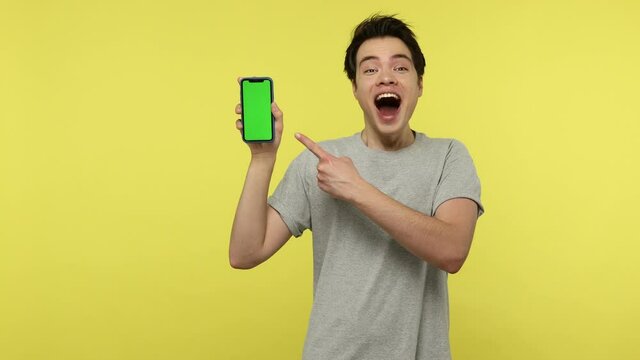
(442, 244)
(250, 222)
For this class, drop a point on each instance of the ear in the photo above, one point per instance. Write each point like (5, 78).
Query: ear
(354, 87)
(420, 86)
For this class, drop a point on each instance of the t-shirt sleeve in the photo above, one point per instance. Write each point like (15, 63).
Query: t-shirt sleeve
(459, 178)
(291, 200)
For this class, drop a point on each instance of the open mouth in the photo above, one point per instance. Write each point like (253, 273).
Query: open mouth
(388, 104)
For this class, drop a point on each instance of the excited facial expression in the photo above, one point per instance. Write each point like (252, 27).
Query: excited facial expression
(386, 86)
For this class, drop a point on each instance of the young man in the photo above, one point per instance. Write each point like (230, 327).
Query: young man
(392, 212)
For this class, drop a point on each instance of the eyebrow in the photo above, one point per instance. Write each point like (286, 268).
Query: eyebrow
(396, 56)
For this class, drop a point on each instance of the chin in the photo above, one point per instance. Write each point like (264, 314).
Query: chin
(390, 124)
(392, 129)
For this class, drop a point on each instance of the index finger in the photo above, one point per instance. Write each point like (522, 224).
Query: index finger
(316, 149)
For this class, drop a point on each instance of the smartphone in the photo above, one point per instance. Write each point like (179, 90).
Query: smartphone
(256, 96)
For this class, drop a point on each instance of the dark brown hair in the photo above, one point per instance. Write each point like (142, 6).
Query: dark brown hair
(378, 26)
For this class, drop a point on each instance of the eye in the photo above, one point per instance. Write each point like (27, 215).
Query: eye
(369, 71)
(402, 68)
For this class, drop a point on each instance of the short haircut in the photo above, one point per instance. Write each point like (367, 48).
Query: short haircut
(378, 26)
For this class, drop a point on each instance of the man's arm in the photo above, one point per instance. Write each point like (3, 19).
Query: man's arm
(443, 240)
(258, 230)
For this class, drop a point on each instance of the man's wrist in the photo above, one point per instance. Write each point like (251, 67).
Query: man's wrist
(361, 193)
(263, 160)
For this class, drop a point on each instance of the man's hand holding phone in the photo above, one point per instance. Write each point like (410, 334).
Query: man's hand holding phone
(260, 127)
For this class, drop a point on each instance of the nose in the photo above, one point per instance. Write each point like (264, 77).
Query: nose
(386, 77)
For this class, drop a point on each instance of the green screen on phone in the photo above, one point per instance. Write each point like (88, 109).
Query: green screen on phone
(256, 109)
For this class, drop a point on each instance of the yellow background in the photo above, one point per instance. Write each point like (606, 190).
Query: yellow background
(120, 169)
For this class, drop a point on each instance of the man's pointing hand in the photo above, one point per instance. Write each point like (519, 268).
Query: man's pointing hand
(337, 176)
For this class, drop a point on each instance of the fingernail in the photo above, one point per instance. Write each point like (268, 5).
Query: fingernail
(297, 135)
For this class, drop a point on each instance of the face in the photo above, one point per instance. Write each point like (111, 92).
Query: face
(386, 86)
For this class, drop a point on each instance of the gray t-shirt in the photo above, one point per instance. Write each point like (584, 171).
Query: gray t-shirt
(372, 298)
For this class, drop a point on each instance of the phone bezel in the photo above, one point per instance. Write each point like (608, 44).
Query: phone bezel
(257, 79)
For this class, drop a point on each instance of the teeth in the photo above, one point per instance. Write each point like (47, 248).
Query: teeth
(387, 95)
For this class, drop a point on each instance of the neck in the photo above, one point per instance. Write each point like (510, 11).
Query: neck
(390, 142)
